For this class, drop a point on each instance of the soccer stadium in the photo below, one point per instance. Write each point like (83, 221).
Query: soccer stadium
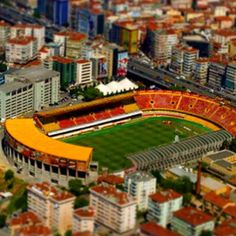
(151, 129)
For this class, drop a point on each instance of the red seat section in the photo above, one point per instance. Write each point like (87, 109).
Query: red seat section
(66, 123)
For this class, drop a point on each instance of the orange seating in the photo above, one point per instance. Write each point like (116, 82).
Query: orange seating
(66, 123)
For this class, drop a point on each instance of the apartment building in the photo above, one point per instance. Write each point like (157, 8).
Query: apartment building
(230, 78)
(53, 206)
(216, 73)
(83, 72)
(161, 43)
(161, 206)
(4, 34)
(28, 89)
(83, 220)
(29, 30)
(183, 59)
(114, 209)
(200, 70)
(140, 185)
(189, 221)
(21, 49)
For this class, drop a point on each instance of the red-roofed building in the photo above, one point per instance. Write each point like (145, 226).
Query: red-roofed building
(83, 220)
(189, 221)
(153, 229)
(21, 50)
(226, 228)
(114, 209)
(161, 206)
(39, 230)
(53, 206)
(110, 180)
(215, 204)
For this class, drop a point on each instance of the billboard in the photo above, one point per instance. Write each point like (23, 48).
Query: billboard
(102, 68)
(122, 63)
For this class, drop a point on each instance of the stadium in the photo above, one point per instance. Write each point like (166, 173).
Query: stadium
(129, 131)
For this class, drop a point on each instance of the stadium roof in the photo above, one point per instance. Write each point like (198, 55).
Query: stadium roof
(25, 132)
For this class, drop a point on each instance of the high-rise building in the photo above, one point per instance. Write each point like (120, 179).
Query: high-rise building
(161, 206)
(66, 67)
(140, 185)
(21, 50)
(200, 70)
(57, 11)
(230, 78)
(53, 206)
(189, 221)
(114, 209)
(83, 72)
(27, 90)
(4, 34)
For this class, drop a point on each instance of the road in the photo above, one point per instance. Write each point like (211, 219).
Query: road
(167, 79)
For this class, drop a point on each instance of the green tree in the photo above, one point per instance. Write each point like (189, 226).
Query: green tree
(157, 175)
(36, 14)
(9, 175)
(68, 233)
(206, 233)
(80, 202)
(232, 146)
(3, 67)
(91, 93)
(2, 220)
(21, 202)
(187, 198)
(75, 186)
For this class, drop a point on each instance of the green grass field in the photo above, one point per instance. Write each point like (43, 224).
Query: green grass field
(112, 145)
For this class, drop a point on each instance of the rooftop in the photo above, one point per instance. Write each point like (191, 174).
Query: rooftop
(85, 212)
(39, 230)
(192, 216)
(140, 176)
(227, 228)
(153, 229)
(24, 218)
(221, 155)
(111, 179)
(165, 196)
(24, 40)
(231, 211)
(113, 195)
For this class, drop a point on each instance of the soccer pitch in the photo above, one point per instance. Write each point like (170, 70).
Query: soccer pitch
(112, 145)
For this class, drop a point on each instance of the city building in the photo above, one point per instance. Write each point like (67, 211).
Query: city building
(113, 180)
(161, 206)
(230, 78)
(190, 56)
(226, 228)
(200, 70)
(215, 204)
(83, 72)
(29, 30)
(57, 11)
(160, 42)
(21, 50)
(54, 207)
(216, 72)
(67, 69)
(26, 224)
(189, 221)
(99, 67)
(83, 220)
(140, 185)
(153, 229)
(4, 34)
(114, 209)
(27, 90)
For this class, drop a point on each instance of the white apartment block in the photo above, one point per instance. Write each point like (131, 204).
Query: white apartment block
(27, 90)
(230, 80)
(200, 70)
(161, 206)
(190, 56)
(140, 185)
(4, 33)
(29, 30)
(114, 209)
(52, 206)
(21, 50)
(83, 220)
(83, 72)
(189, 221)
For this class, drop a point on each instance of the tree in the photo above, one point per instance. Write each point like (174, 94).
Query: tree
(75, 186)
(9, 175)
(3, 67)
(21, 202)
(80, 202)
(91, 93)
(232, 146)
(2, 220)
(68, 233)
(36, 14)
(157, 175)
(206, 233)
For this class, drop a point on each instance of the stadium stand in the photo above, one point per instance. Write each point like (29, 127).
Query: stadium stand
(160, 158)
